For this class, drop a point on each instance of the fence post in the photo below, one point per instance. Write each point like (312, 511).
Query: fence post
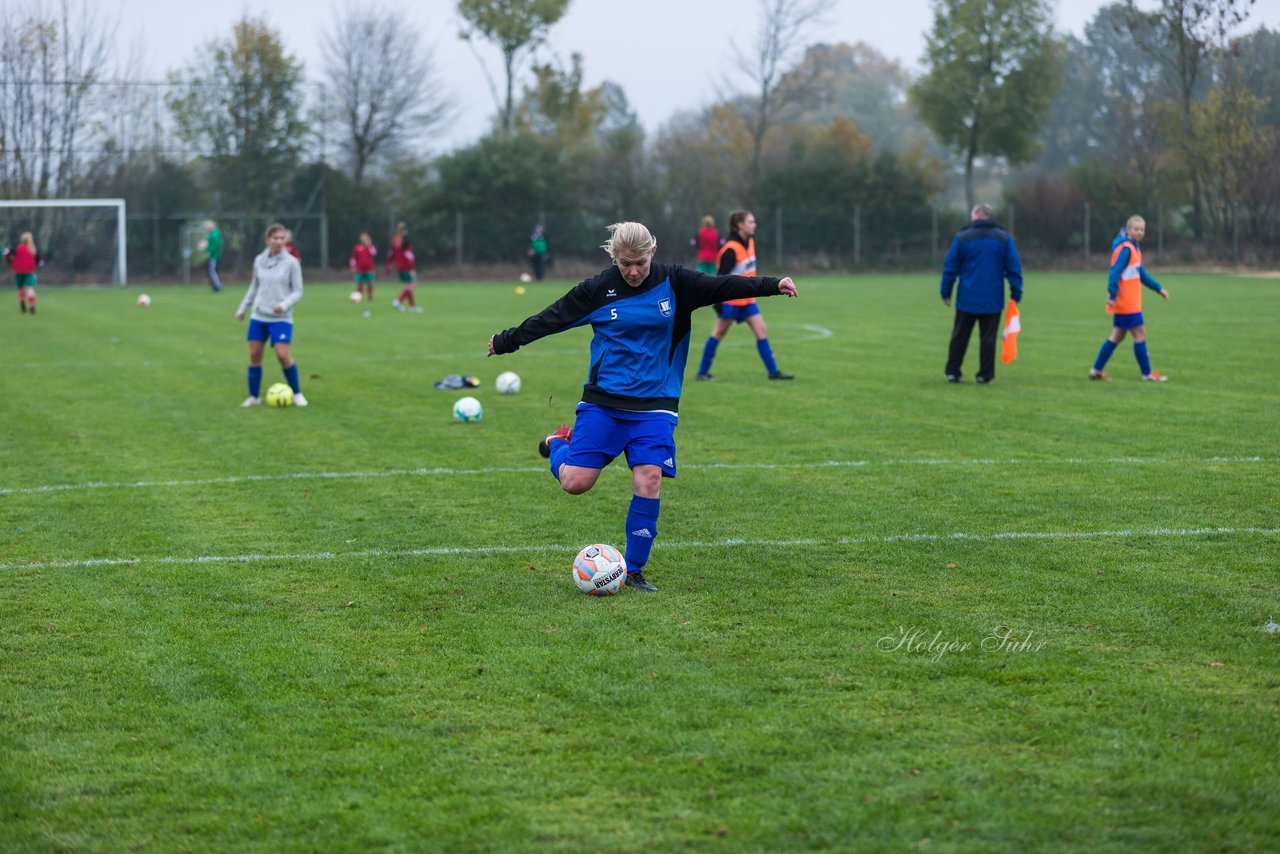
(1235, 235)
(1160, 231)
(1086, 234)
(857, 235)
(779, 237)
(324, 241)
(933, 233)
(457, 237)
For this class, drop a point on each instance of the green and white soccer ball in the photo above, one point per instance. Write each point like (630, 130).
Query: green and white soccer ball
(468, 409)
(279, 395)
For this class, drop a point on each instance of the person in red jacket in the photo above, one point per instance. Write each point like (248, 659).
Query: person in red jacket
(290, 247)
(24, 258)
(364, 264)
(401, 256)
(708, 242)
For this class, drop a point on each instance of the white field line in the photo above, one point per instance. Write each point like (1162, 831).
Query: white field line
(444, 471)
(258, 557)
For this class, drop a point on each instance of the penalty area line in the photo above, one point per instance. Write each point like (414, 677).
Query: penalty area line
(446, 551)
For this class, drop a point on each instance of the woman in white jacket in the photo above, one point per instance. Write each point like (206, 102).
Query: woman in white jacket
(275, 289)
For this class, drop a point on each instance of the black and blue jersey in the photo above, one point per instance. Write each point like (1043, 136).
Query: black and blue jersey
(641, 340)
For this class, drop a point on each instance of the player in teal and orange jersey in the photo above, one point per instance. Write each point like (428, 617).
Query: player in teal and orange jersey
(738, 258)
(25, 258)
(1124, 300)
(364, 264)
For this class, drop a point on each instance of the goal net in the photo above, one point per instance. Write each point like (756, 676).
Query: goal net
(81, 241)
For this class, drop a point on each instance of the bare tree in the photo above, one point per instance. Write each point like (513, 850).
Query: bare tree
(387, 90)
(50, 61)
(1187, 33)
(784, 27)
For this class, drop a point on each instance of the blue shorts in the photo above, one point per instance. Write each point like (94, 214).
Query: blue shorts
(1127, 321)
(737, 313)
(601, 433)
(278, 332)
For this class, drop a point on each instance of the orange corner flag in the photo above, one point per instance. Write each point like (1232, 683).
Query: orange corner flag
(1012, 326)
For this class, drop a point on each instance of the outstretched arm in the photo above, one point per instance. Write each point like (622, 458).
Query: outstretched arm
(701, 289)
(567, 312)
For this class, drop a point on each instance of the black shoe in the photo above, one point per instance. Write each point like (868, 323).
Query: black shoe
(953, 378)
(639, 582)
(985, 380)
(782, 375)
(22, 305)
(705, 377)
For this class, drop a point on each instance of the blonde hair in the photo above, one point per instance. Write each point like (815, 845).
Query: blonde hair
(708, 222)
(1131, 220)
(28, 240)
(630, 237)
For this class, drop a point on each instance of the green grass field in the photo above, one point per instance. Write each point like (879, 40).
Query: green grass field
(893, 612)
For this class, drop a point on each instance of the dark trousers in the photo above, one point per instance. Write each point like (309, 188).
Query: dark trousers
(988, 325)
(214, 281)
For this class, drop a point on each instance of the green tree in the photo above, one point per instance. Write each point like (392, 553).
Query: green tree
(516, 27)
(994, 67)
(239, 104)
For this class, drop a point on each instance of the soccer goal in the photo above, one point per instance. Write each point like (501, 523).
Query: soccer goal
(81, 241)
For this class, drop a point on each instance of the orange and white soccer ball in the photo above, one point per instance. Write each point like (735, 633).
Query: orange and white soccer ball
(599, 570)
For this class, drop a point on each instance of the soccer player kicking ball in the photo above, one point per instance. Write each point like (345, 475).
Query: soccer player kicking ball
(1124, 300)
(640, 315)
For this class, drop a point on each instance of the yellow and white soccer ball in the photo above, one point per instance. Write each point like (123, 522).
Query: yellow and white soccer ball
(279, 395)
(468, 409)
(599, 570)
(508, 382)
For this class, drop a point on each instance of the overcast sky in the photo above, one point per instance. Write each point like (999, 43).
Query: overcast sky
(668, 55)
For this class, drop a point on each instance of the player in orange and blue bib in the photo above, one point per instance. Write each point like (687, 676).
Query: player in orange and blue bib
(1124, 300)
(738, 258)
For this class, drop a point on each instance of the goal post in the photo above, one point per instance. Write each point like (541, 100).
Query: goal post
(120, 265)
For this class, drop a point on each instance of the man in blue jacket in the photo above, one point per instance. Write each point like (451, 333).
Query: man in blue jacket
(982, 256)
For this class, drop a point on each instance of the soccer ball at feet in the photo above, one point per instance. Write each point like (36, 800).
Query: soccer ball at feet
(356, 296)
(599, 570)
(467, 409)
(143, 300)
(279, 395)
(508, 382)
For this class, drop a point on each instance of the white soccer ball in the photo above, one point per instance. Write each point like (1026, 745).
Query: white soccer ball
(143, 300)
(356, 297)
(599, 570)
(468, 409)
(508, 382)
(525, 277)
